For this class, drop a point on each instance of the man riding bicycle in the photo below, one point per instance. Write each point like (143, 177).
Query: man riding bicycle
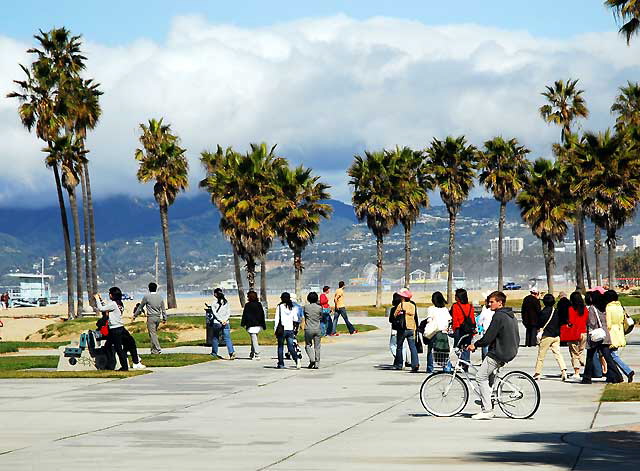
(502, 338)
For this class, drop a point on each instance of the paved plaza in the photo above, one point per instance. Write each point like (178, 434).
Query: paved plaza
(352, 414)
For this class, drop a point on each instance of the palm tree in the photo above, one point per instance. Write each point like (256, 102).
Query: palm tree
(544, 207)
(453, 163)
(627, 107)
(43, 106)
(613, 187)
(504, 169)
(628, 11)
(565, 105)
(300, 212)
(243, 188)
(163, 160)
(374, 199)
(413, 184)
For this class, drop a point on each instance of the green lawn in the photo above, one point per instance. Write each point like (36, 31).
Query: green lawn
(622, 392)
(9, 347)
(627, 300)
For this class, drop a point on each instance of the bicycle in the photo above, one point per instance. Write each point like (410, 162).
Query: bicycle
(445, 393)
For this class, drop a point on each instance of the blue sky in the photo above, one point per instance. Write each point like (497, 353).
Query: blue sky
(119, 21)
(323, 79)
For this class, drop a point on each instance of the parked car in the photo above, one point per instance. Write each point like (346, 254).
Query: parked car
(126, 297)
(511, 285)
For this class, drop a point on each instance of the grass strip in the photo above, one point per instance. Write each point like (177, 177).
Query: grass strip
(175, 359)
(21, 374)
(621, 392)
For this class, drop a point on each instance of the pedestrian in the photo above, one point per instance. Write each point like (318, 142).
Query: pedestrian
(483, 321)
(254, 321)
(221, 324)
(284, 328)
(118, 335)
(562, 306)
(341, 310)
(326, 325)
(393, 339)
(598, 339)
(312, 316)
(530, 313)
(503, 340)
(437, 322)
(549, 337)
(575, 331)
(463, 323)
(406, 317)
(615, 324)
(156, 313)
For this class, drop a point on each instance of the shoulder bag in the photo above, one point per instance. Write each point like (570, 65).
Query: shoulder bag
(597, 335)
(279, 328)
(399, 318)
(629, 323)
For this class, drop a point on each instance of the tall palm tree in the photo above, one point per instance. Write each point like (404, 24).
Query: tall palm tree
(300, 212)
(453, 164)
(414, 181)
(627, 107)
(544, 208)
(565, 105)
(243, 188)
(43, 106)
(504, 169)
(613, 188)
(374, 200)
(628, 11)
(163, 160)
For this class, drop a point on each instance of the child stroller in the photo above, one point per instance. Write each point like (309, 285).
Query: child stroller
(287, 356)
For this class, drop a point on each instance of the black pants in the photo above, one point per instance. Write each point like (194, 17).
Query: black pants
(530, 339)
(123, 342)
(613, 373)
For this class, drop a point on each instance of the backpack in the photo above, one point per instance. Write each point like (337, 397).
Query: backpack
(467, 326)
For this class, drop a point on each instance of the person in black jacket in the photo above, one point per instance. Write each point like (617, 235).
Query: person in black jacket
(550, 323)
(503, 339)
(530, 315)
(562, 306)
(254, 321)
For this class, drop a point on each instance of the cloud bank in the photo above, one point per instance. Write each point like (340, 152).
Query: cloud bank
(322, 89)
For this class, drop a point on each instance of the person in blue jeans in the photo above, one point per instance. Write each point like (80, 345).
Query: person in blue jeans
(287, 318)
(408, 310)
(221, 324)
(341, 310)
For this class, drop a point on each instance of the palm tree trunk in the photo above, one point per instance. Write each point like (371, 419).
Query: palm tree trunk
(239, 283)
(597, 242)
(251, 272)
(164, 222)
(92, 234)
(85, 227)
(407, 255)
(76, 235)
(583, 250)
(297, 265)
(611, 257)
(579, 268)
(501, 221)
(452, 242)
(379, 242)
(263, 278)
(548, 250)
(67, 245)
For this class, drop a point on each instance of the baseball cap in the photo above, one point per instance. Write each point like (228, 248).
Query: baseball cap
(534, 291)
(599, 289)
(405, 293)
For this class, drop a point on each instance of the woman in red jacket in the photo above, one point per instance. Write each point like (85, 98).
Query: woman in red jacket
(463, 321)
(575, 331)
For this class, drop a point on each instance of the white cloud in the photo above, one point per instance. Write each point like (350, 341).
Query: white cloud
(323, 89)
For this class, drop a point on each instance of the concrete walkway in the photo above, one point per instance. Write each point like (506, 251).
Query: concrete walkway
(351, 414)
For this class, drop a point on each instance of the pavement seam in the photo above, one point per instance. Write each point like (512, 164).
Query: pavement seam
(581, 448)
(360, 422)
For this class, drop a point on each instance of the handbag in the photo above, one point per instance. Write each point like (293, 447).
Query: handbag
(399, 321)
(597, 335)
(419, 346)
(279, 328)
(440, 342)
(539, 334)
(629, 323)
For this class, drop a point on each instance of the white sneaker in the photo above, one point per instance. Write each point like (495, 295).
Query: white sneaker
(297, 364)
(483, 415)
(138, 366)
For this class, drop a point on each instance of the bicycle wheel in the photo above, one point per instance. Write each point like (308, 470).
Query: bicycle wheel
(444, 394)
(518, 395)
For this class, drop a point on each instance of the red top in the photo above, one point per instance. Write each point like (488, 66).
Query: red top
(459, 311)
(578, 325)
(324, 301)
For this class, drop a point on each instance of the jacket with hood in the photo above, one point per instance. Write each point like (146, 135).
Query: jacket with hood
(502, 336)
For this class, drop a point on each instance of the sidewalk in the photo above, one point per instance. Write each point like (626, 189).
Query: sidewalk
(352, 413)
